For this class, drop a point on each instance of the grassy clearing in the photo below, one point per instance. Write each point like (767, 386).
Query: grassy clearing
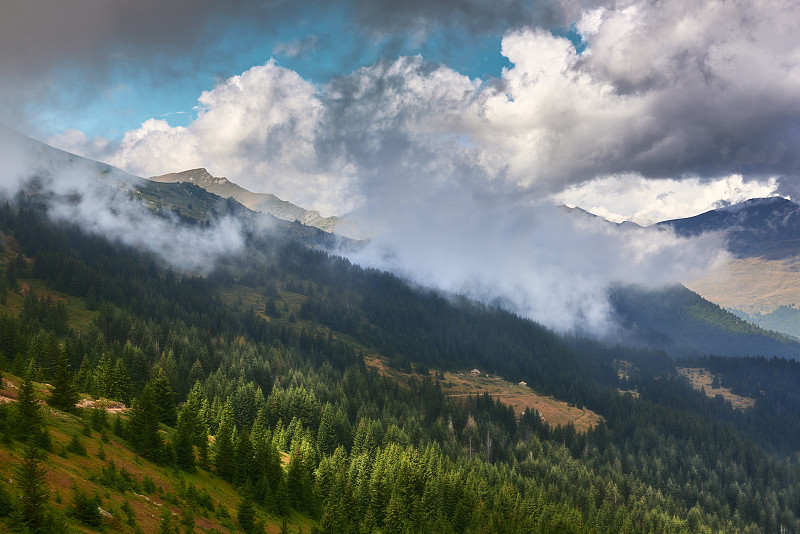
(701, 380)
(79, 317)
(462, 384)
(554, 411)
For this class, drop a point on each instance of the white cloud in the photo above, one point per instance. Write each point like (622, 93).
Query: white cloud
(632, 198)
(674, 106)
(257, 128)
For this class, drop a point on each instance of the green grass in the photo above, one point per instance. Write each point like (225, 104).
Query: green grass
(65, 471)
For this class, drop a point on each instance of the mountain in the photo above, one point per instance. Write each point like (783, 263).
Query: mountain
(682, 323)
(768, 228)
(89, 189)
(763, 274)
(290, 390)
(263, 202)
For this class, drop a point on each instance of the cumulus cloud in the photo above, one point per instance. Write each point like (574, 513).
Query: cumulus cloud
(258, 128)
(674, 102)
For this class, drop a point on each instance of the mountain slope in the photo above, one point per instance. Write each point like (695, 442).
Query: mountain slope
(267, 354)
(683, 323)
(763, 275)
(263, 202)
(110, 201)
(759, 227)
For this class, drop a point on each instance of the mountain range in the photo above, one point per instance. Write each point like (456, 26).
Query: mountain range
(285, 389)
(764, 225)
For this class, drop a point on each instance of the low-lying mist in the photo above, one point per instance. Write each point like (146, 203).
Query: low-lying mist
(465, 236)
(551, 264)
(99, 199)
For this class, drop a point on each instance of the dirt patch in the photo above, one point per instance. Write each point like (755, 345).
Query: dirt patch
(553, 411)
(701, 380)
(516, 395)
(110, 406)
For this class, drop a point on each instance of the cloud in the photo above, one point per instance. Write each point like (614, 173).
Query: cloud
(296, 47)
(670, 103)
(97, 198)
(476, 16)
(258, 128)
(534, 259)
(633, 198)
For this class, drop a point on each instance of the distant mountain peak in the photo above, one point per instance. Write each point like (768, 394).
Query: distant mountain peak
(773, 202)
(759, 227)
(263, 202)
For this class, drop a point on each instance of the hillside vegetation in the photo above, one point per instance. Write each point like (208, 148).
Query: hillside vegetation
(251, 407)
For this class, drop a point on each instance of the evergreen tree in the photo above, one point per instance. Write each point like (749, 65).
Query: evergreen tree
(85, 509)
(120, 382)
(163, 397)
(29, 416)
(143, 427)
(243, 458)
(33, 492)
(64, 396)
(326, 435)
(182, 442)
(224, 452)
(246, 513)
(300, 476)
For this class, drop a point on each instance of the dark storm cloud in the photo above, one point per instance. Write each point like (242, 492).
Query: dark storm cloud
(85, 38)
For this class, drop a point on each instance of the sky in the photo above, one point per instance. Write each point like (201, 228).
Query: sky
(463, 121)
(569, 100)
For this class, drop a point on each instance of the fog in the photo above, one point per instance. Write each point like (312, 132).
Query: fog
(438, 225)
(98, 198)
(548, 263)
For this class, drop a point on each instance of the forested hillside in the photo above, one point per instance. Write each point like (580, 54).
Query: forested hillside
(684, 324)
(251, 407)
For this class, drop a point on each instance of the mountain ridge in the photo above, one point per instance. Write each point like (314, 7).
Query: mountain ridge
(263, 202)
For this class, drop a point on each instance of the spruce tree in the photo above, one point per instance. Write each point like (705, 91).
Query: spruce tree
(143, 427)
(33, 491)
(29, 417)
(246, 513)
(182, 441)
(243, 458)
(64, 396)
(163, 397)
(224, 454)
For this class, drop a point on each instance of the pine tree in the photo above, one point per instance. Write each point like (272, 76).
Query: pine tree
(224, 460)
(182, 443)
(243, 458)
(64, 396)
(165, 527)
(85, 509)
(29, 417)
(246, 513)
(33, 491)
(120, 382)
(326, 435)
(163, 397)
(143, 427)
